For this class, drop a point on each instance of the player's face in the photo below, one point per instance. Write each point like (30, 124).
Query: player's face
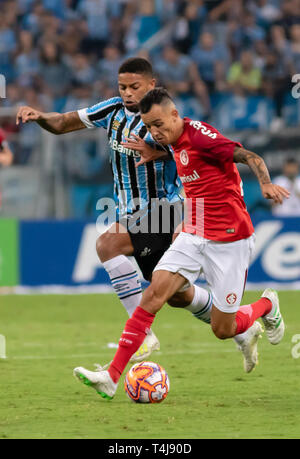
(133, 87)
(164, 123)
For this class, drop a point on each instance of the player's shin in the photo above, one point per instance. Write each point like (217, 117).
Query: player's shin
(125, 281)
(132, 337)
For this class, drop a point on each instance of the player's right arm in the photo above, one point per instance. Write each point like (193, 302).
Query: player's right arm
(56, 123)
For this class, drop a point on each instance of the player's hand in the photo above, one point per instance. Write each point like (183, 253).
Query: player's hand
(147, 153)
(275, 192)
(26, 114)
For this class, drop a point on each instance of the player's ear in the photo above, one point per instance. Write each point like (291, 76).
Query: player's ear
(153, 83)
(175, 113)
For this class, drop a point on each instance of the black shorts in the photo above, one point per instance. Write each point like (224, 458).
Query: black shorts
(151, 231)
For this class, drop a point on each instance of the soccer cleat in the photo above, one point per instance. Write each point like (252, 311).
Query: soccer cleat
(99, 380)
(249, 347)
(149, 345)
(273, 321)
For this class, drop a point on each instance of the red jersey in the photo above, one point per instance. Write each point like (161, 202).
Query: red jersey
(212, 184)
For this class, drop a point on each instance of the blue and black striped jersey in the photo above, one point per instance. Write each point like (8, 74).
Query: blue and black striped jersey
(133, 187)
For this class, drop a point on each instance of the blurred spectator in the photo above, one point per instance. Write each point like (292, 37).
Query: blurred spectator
(260, 53)
(188, 25)
(8, 45)
(211, 60)
(26, 61)
(179, 75)
(290, 14)
(109, 65)
(291, 181)
(80, 96)
(293, 56)
(56, 74)
(6, 155)
(98, 16)
(71, 37)
(265, 11)
(144, 25)
(275, 81)
(243, 78)
(28, 137)
(245, 34)
(82, 70)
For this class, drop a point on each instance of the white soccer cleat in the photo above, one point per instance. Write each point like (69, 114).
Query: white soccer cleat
(273, 321)
(249, 346)
(149, 345)
(99, 380)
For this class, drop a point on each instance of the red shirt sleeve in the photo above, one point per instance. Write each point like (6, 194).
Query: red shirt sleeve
(211, 143)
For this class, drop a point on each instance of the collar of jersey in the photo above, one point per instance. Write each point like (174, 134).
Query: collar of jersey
(129, 113)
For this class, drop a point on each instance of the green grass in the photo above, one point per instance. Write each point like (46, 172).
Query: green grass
(210, 395)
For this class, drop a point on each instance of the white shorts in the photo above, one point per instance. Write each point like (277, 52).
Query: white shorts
(224, 265)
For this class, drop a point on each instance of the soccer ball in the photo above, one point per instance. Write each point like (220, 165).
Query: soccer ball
(147, 382)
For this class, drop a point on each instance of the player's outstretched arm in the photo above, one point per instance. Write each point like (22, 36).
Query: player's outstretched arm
(146, 151)
(258, 166)
(56, 123)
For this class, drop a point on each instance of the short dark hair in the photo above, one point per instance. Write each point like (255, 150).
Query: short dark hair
(137, 65)
(291, 160)
(156, 96)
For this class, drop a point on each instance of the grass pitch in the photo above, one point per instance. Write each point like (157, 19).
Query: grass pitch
(210, 395)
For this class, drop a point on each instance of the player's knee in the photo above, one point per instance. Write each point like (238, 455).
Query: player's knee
(220, 331)
(104, 246)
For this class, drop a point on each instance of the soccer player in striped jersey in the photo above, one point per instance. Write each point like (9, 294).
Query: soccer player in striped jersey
(136, 190)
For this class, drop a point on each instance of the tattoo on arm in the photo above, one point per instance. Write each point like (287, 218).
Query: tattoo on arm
(255, 162)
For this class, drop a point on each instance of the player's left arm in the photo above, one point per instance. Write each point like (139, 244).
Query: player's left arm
(147, 152)
(269, 190)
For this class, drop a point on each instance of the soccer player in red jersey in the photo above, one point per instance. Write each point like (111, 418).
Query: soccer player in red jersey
(217, 237)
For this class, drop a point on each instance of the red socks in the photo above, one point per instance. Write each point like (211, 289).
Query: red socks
(247, 315)
(132, 337)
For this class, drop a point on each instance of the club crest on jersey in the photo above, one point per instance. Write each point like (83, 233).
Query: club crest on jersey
(231, 298)
(115, 125)
(184, 158)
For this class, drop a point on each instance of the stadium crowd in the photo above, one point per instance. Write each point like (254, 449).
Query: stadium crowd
(62, 55)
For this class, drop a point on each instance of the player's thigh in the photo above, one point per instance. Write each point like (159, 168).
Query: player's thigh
(183, 257)
(225, 268)
(115, 241)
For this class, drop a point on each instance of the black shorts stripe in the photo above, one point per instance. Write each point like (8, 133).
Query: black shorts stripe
(151, 180)
(132, 168)
(118, 155)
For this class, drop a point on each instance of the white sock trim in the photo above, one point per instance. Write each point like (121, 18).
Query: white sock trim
(114, 262)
